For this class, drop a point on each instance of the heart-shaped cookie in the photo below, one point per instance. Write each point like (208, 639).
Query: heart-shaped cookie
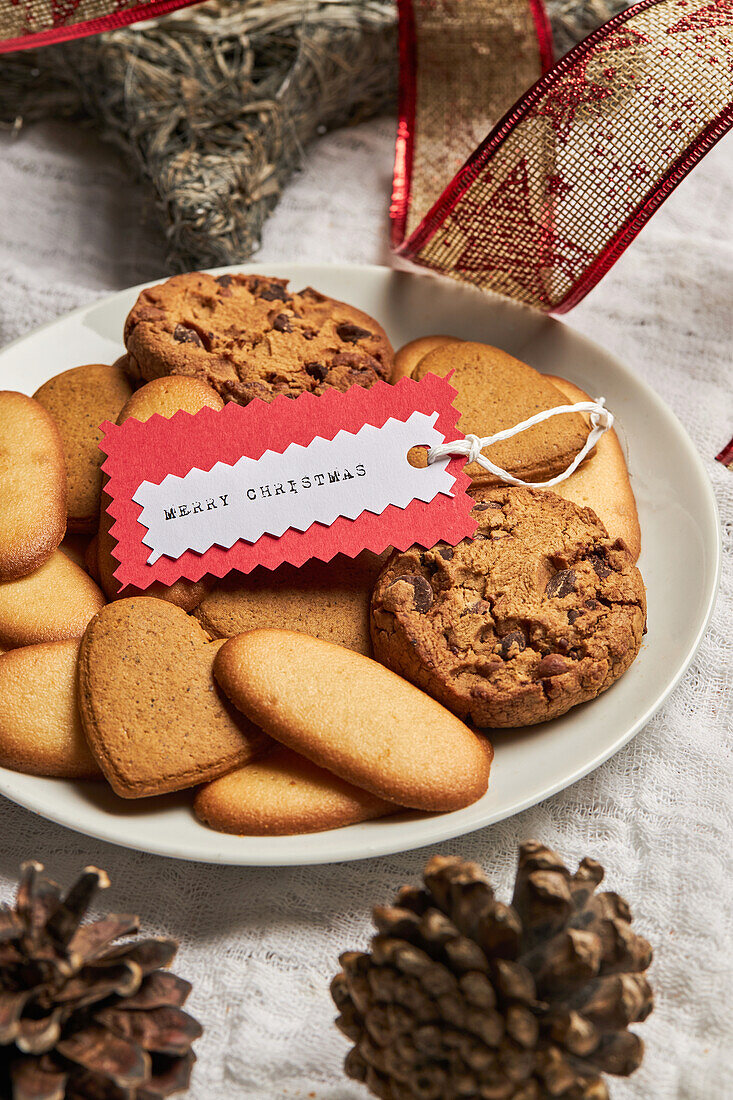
(152, 713)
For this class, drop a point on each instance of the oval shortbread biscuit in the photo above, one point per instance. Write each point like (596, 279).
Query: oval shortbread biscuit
(283, 795)
(602, 481)
(169, 395)
(55, 602)
(80, 400)
(162, 397)
(40, 726)
(355, 718)
(329, 600)
(495, 391)
(409, 355)
(32, 485)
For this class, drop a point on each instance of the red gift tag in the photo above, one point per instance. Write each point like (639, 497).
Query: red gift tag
(296, 479)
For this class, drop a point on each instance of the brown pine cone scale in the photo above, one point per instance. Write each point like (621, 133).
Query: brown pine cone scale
(82, 1016)
(461, 995)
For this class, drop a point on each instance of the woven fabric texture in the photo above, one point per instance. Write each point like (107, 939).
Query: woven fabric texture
(261, 946)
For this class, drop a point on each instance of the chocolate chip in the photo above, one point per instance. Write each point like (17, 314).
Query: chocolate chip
(482, 505)
(573, 614)
(271, 292)
(422, 593)
(551, 665)
(282, 323)
(244, 392)
(446, 553)
(592, 605)
(513, 643)
(225, 280)
(185, 335)
(599, 565)
(316, 370)
(479, 607)
(351, 334)
(561, 584)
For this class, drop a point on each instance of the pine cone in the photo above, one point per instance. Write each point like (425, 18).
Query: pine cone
(463, 996)
(83, 1018)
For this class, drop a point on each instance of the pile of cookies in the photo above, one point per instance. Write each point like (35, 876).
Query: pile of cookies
(316, 697)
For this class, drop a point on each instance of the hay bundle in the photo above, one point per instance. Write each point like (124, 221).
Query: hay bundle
(214, 105)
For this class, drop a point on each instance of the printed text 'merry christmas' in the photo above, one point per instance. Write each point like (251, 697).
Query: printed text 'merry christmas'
(309, 481)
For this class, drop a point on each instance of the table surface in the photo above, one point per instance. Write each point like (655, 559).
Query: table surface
(261, 945)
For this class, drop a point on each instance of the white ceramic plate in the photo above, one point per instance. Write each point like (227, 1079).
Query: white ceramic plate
(680, 562)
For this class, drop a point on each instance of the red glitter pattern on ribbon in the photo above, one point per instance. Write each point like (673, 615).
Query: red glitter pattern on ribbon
(550, 199)
(25, 24)
(726, 455)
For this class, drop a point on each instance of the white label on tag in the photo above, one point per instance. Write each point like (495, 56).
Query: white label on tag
(345, 476)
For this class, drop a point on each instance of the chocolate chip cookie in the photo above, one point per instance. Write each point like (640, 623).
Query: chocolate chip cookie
(249, 336)
(538, 612)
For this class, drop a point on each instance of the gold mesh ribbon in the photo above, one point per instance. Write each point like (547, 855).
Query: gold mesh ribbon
(26, 23)
(543, 207)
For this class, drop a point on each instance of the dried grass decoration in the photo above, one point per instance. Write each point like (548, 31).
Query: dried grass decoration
(214, 105)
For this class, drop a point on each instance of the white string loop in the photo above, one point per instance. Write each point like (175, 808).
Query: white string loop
(472, 445)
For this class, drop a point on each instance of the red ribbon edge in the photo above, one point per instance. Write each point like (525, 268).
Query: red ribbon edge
(406, 109)
(442, 208)
(148, 9)
(726, 455)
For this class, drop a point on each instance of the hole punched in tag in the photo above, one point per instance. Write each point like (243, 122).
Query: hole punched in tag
(417, 456)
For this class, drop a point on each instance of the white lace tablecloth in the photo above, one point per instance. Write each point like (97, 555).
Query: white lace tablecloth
(261, 945)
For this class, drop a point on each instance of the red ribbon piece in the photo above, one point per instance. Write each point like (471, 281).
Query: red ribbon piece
(545, 205)
(542, 207)
(726, 455)
(26, 24)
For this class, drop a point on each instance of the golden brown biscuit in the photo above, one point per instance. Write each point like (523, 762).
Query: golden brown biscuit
(40, 727)
(80, 400)
(250, 337)
(32, 485)
(497, 391)
(130, 368)
(353, 717)
(537, 612)
(91, 556)
(329, 600)
(284, 794)
(167, 396)
(602, 481)
(54, 603)
(75, 547)
(151, 711)
(408, 357)
(164, 396)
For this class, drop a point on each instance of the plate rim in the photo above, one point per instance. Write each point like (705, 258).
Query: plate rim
(436, 829)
